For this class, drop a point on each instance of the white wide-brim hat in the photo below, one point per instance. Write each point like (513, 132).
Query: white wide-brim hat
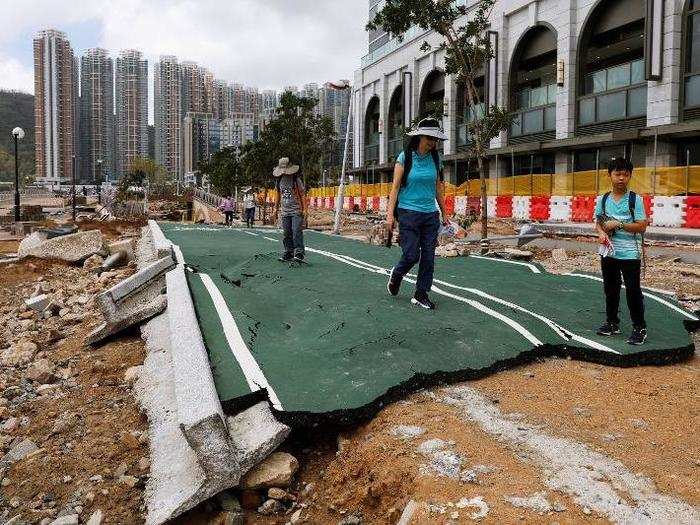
(429, 127)
(284, 168)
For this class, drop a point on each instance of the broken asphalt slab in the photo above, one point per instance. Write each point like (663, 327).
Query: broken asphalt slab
(326, 343)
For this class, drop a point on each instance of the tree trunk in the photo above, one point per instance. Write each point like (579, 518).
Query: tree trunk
(484, 199)
(264, 207)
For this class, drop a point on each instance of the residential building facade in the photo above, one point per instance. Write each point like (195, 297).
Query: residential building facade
(131, 93)
(586, 80)
(97, 141)
(167, 96)
(202, 138)
(56, 107)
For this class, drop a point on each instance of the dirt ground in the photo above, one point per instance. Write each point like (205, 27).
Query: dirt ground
(91, 438)
(456, 464)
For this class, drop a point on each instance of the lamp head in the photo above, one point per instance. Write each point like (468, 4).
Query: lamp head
(18, 133)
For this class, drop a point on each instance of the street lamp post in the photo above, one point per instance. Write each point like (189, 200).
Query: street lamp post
(98, 182)
(18, 134)
(342, 85)
(73, 185)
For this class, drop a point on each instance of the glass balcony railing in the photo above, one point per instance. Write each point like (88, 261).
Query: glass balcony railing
(613, 105)
(615, 93)
(390, 46)
(463, 135)
(372, 154)
(534, 121)
(692, 91)
(395, 148)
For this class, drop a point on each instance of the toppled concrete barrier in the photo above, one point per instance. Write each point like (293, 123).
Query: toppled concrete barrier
(133, 300)
(199, 410)
(72, 248)
(161, 245)
(178, 479)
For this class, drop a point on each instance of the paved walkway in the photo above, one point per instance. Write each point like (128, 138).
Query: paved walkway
(325, 341)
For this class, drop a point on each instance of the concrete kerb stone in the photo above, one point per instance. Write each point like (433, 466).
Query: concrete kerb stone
(133, 300)
(200, 414)
(140, 279)
(161, 245)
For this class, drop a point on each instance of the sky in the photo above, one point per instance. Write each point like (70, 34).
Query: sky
(268, 44)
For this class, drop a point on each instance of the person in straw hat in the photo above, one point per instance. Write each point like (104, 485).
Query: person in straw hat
(416, 196)
(290, 207)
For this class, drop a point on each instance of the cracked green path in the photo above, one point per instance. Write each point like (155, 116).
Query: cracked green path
(328, 338)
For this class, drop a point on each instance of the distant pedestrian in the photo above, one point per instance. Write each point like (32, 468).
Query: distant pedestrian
(249, 207)
(621, 222)
(416, 196)
(290, 206)
(227, 206)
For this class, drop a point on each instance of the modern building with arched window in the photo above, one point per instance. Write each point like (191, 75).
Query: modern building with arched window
(585, 80)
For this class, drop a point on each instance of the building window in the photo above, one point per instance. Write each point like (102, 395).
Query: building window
(465, 114)
(395, 124)
(533, 91)
(613, 86)
(692, 67)
(372, 132)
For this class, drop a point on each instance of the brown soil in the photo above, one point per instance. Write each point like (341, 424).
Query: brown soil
(9, 246)
(113, 229)
(100, 437)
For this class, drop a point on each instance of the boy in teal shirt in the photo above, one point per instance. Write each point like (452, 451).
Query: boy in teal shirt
(621, 221)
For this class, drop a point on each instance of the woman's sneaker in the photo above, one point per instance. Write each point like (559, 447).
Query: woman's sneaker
(608, 328)
(393, 284)
(637, 337)
(421, 299)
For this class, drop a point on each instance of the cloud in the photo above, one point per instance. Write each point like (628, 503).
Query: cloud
(263, 43)
(16, 76)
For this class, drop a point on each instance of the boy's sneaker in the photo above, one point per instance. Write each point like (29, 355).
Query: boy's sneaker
(637, 337)
(299, 257)
(393, 284)
(608, 328)
(421, 299)
(285, 258)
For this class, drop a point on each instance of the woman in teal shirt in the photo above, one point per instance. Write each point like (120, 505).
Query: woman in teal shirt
(416, 196)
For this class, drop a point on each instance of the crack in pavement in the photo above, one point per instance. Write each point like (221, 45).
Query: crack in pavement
(600, 483)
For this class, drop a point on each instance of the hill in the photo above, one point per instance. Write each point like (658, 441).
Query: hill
(16, 109)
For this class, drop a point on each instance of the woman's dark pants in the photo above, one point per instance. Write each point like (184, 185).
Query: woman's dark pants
(418, 234)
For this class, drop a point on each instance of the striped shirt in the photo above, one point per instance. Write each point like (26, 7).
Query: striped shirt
(627, 245)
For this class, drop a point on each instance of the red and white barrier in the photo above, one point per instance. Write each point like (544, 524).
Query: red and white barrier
(668, 211)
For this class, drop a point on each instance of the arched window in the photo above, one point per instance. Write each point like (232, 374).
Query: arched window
(395, 127)
(465, 114)
(432, 96)
(611, 83)
(691, 82)
(533, 86)
(372, 132)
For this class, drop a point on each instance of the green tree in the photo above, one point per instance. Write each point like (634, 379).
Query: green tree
(223, 170)
(296, 132)
(467, 51)
(152, 172)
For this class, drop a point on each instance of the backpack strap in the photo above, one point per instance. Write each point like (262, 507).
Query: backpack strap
(632, 204)
(436, 160)
(407, 165)
(605, 201)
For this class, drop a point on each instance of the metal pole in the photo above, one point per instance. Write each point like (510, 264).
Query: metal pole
(17, 209)
(532, 168)
(73, 185)
(341, 188)
(687, 171)
(597, 171)
(498, 174)
(653, 177)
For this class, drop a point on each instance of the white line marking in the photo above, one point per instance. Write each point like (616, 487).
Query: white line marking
(251, 370)
(271, 239)
(251, 233)
(474, 304)
(560, 330)
(532, 267)
(646, 294)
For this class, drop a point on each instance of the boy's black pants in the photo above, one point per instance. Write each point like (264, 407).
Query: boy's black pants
(614, 272)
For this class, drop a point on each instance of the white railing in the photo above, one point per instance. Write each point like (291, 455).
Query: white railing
(208, 198)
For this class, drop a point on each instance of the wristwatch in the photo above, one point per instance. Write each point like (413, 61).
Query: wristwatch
(621, 226)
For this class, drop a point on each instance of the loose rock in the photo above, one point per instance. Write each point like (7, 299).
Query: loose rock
(276, 471)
